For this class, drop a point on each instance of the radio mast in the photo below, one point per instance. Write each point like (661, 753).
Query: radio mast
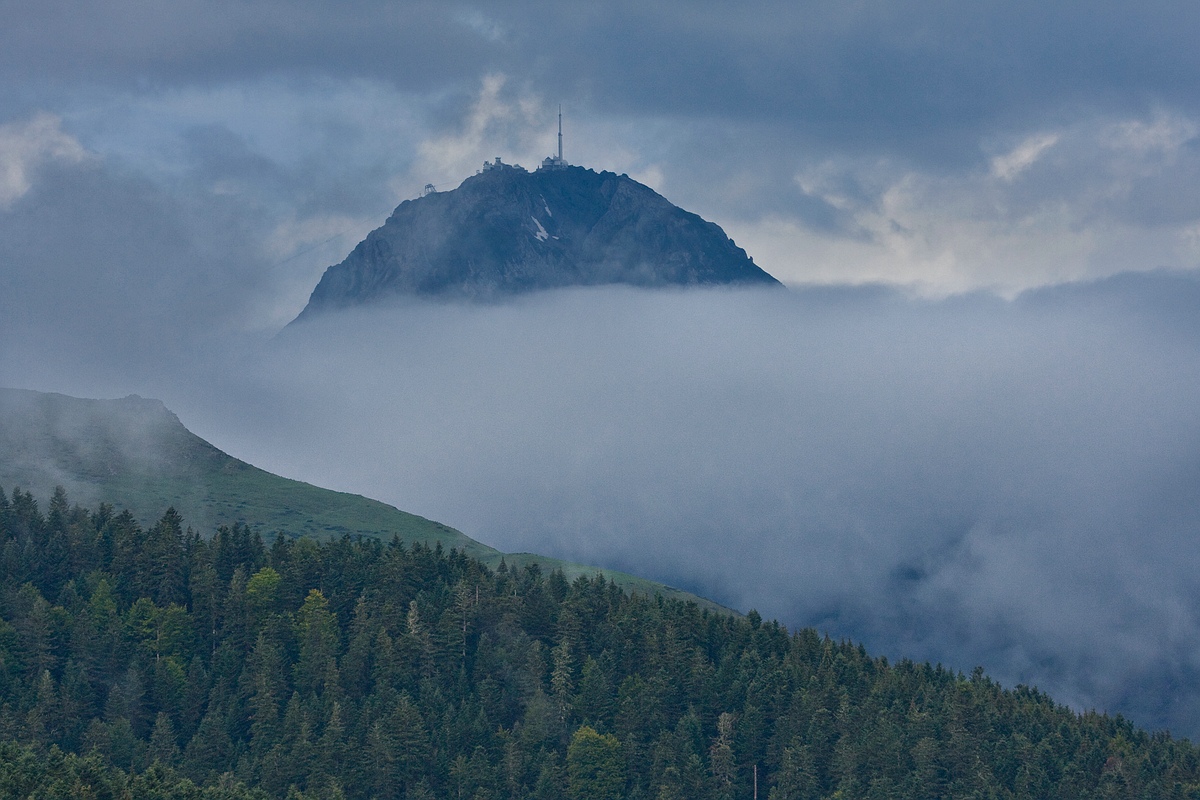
(555, 162)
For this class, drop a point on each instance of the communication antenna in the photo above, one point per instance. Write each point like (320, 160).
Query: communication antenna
(555, 162)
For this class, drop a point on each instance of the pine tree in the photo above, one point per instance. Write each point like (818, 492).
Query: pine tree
(265, 675)
(317, 635)
(796, 777)
(160, 561)
(561, 681)
(720, 757)
(163, 747)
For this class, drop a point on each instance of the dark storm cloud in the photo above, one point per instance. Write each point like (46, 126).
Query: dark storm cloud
(924, 80)
(150, 45)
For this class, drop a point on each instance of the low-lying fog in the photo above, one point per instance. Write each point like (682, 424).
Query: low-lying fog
(971, 481)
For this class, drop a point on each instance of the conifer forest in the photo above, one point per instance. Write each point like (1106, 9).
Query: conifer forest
(164, 662)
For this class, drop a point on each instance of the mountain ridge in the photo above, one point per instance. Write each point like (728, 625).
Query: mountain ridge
(135, 453)
(507, 231)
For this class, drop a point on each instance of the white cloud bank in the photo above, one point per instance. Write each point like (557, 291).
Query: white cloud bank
(1081, 203)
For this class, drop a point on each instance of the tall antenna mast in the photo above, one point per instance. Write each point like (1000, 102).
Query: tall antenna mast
(555, 162)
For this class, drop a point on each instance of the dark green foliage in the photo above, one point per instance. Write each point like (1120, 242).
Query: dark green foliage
(156, 663)
(29, 772)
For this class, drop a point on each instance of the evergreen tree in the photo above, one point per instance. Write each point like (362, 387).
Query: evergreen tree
(163, 748)
(317, 635)
(721, 760)
(595, 766)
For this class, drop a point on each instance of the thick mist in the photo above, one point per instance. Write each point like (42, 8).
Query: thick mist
(972, 481)
(969, 481)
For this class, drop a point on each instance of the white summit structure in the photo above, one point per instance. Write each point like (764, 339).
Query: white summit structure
(555, 162)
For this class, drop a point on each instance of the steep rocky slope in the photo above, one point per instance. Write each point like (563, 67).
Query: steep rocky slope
(506, 230)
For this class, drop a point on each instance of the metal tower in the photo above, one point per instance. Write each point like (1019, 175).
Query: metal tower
(555, 162)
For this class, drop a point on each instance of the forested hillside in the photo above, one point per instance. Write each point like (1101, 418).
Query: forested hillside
(161, 663)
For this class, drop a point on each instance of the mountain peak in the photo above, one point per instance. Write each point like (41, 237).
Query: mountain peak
(506, 230)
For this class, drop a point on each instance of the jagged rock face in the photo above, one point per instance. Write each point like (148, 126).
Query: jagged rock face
(506, 231)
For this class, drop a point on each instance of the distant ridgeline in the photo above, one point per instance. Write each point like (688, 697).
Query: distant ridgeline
(152, 663)
(506, 230)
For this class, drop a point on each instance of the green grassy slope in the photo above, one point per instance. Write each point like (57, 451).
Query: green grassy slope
(134, 453)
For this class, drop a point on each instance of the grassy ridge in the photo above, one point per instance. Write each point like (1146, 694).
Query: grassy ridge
(134, 453)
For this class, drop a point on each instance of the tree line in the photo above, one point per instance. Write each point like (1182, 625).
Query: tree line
(158, 662)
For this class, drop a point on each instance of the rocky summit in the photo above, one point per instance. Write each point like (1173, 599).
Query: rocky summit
(506, 230)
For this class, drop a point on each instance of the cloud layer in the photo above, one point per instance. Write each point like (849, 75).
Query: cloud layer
(972, 481)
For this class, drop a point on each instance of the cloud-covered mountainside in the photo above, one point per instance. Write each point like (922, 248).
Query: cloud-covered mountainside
(507, 230)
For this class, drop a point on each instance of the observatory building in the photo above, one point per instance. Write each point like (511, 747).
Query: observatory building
(548, 163)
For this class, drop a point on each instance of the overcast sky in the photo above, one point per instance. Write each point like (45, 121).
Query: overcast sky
(940, 145)
(943, 467)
